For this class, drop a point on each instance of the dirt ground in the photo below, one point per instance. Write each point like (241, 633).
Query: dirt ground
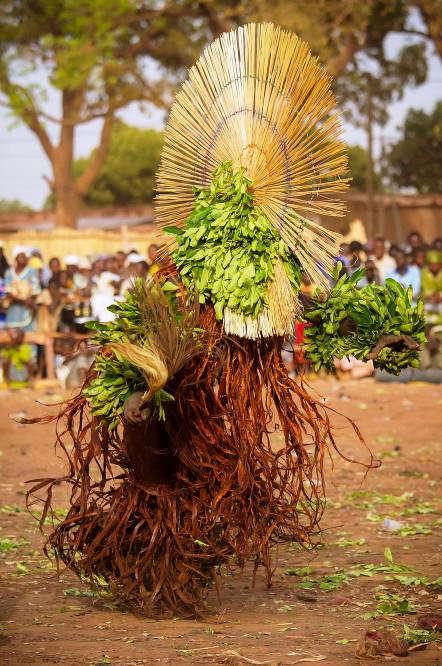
(308, 615)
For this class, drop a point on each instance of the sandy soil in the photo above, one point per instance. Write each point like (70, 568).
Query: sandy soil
(50, 620)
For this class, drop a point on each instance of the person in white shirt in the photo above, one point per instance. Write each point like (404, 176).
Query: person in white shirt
(406, 275)
(383, 261)
(104, 287)
(137, 267)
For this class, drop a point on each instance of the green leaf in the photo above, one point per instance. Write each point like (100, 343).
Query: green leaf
(219, 309)
(176, 231)
(169, 286)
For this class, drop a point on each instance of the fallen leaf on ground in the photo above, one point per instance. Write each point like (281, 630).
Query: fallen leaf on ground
(247, 660)
(308, 659)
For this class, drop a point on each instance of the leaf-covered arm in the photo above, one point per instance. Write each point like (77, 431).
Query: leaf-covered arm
(378, 323)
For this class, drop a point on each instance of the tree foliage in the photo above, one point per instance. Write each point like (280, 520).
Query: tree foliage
(416, 158)
(358, 165)
(14, 206)
(101, 55)
(128, 173)
(384, 80)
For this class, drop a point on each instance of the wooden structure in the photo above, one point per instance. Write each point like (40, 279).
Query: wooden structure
(395, 215)
(103, 231)
(46, 340)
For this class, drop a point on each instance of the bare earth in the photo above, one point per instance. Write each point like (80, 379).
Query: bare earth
(46, 620)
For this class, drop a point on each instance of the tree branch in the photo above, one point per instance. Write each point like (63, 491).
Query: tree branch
(26, 110)
(338, 64)
(84, 182)
(419, 33)
(217, 22)
(430, 12)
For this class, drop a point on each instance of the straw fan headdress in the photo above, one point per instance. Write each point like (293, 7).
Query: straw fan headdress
(256, 118)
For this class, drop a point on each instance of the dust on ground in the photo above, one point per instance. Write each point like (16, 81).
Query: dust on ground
(309, 615)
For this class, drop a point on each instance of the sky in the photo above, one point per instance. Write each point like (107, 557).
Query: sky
(23, 164)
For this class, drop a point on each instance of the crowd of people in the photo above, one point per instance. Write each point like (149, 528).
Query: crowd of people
(62, 294)
(415, 264)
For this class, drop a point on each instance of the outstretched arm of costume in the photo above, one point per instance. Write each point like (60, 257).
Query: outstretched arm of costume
(374, 323)
(394, 342)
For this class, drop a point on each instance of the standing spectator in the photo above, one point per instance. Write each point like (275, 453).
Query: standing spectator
(407, 276)
(52, 270)
(383, 262)
(50, 305)
(97, 267)
(4, 265)
(394, 249)
(22, 286)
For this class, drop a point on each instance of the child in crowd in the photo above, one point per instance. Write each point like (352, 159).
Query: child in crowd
(17, 360)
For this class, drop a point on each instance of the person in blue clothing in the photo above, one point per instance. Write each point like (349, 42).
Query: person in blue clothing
(406, 275)
(21, 286)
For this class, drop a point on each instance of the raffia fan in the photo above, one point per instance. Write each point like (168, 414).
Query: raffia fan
(259, 99)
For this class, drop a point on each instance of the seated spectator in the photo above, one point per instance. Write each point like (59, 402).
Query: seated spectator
(137, 266)
(407, 276)
(383, 262)
(344, 256)
(437, 244)
(414, 240)
(394, 249)
(120, 259)
(371, 274)
(356, 256)
(418, 257)
(104, 287)
(153, 258)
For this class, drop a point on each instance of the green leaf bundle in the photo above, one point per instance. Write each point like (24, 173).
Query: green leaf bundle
(145, 345)
(351, 321)
(228, 249)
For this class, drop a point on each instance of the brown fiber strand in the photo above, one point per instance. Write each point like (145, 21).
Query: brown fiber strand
(237, 493)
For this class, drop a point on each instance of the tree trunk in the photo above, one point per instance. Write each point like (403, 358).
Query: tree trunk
(370, 169)
(65, 188)
(68, 205)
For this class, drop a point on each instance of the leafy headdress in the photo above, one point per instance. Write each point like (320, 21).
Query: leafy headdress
(252, 156)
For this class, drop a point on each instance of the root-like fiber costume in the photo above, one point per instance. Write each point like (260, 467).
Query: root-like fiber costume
(227, 459)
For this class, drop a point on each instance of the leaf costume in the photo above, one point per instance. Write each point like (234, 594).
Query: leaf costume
(168, 494)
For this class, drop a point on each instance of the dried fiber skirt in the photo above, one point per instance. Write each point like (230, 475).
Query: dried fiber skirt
(248, 445)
